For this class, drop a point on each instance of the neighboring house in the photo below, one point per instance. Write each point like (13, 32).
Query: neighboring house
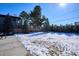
(76, 23)
(16, 23)
(34, 28)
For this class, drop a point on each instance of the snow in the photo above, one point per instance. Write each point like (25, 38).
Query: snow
(51, 44)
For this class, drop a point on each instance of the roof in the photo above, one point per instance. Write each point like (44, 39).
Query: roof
(9, 15)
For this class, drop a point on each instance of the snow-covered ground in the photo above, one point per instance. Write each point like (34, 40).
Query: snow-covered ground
(51, 44)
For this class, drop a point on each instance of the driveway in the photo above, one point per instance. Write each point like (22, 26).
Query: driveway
(10, 46)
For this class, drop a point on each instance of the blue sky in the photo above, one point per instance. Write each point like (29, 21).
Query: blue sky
(56, 13)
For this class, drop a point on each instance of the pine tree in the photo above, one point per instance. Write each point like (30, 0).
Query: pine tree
(36, 18)
(25, 18)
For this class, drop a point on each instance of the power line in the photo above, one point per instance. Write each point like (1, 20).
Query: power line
(66, 19)
(67, 13)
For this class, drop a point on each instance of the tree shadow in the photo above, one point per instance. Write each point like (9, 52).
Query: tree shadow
(37, 33)
(66, 33)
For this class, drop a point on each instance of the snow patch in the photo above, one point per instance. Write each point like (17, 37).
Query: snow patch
(50, 44)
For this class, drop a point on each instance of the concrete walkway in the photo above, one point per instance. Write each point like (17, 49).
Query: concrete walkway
(11, 47)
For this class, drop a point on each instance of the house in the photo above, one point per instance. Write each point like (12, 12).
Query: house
(16, 23)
